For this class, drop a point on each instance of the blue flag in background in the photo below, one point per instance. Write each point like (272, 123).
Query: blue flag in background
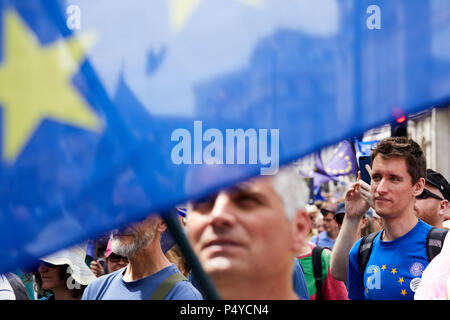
(320, 174)
(111, 110)
(364, 148)
(343, 161)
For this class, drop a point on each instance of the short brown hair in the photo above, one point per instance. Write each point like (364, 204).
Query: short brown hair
(416, 162)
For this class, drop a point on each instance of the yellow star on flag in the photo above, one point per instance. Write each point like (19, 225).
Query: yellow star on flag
(182, 10)
(394, 270)
(383, 267)
(401, 280)
(403, 292)
(35, 84)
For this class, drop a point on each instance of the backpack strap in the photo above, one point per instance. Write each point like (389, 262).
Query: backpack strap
(317, 269)
(364, 251)
(167, 285)
(435, 241)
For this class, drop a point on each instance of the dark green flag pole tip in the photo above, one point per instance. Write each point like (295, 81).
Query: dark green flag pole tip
(203, 280)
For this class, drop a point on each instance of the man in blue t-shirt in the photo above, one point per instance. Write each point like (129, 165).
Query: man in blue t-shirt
(398, 255)
(113, 287)
(148, 268)
(394, 269)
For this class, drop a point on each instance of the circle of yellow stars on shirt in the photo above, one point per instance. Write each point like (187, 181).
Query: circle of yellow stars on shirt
(400, 279)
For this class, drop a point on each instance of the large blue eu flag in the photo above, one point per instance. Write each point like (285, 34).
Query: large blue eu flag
(111, 110)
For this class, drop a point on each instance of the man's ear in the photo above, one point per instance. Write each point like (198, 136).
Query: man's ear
(364, 222)
(419, 186)
(300, 229)
(161, 225)
(444, 209)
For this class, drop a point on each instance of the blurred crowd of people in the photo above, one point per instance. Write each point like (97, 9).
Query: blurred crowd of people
(261, 239)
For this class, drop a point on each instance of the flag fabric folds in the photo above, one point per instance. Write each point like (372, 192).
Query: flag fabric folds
(320, 174)
(343, 161)
(111, 110)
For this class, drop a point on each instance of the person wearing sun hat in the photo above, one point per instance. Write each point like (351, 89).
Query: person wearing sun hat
(64, 275)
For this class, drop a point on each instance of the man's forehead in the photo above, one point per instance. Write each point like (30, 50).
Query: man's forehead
(256, 184)
(389, 165)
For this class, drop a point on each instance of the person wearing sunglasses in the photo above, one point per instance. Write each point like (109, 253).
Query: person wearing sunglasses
(432, 205)
(149, 275)
(113, 263)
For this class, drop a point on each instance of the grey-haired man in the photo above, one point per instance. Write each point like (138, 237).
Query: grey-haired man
(246, 237)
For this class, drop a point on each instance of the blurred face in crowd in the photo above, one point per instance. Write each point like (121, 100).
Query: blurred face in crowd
(392, 189)
(319, 224)
(431, 207)
(240, 232)
(116, 262)
(313, 216)
(329, 223)
(50, 275)
(136, 236)
(312, 219)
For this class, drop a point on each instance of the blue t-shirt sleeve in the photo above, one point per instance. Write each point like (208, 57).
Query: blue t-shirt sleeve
(300, 287)
(355, 286)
